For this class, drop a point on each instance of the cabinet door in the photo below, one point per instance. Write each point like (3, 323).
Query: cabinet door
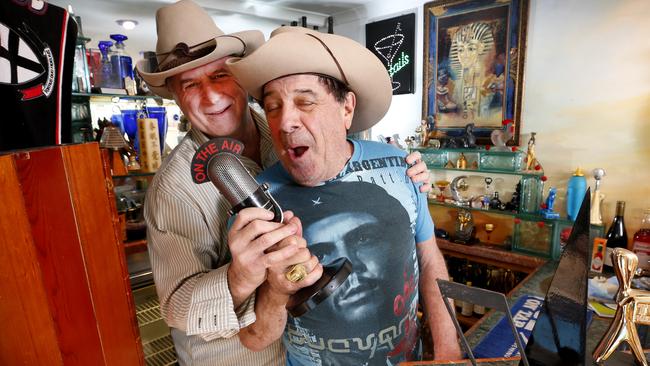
(80, 257)
(29, 337)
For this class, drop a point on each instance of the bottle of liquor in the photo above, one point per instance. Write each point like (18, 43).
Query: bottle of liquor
(468, 307)
(641, 240)
(479, 281)
(617, 236)
(460, 278)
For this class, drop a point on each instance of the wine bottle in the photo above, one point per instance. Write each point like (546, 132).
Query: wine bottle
(616, 236)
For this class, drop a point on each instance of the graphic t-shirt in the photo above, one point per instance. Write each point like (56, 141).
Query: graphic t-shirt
(37, 42)
(372, 214)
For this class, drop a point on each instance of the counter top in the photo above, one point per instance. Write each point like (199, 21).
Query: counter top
(535, 284)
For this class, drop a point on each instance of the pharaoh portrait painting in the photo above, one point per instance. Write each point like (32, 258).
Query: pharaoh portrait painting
(473, 63)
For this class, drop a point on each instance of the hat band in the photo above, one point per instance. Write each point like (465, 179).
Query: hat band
(345, 79)
(182, 54)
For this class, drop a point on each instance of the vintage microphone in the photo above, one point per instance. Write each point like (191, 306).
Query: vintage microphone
(217, 161)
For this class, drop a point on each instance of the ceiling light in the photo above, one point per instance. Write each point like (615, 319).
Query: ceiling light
(127, 23)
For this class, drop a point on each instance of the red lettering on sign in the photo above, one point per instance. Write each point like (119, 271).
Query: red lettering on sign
(225, 145)
(212, 148)
(237, 149)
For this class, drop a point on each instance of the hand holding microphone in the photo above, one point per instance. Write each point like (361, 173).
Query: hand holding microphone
(217, 161)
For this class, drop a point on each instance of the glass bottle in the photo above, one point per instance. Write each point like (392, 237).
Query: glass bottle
(510, 280)
(495, 202)
(467, 308)
(81, 74)
(107, 77)
(641, 240)
(461, 275)
(479, 281)
(123, 64)
(576, 188)
(617, 236)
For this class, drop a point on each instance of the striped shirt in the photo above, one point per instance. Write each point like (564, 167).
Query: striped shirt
(187, 240)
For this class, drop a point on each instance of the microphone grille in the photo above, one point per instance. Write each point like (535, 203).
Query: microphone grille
(231, 178)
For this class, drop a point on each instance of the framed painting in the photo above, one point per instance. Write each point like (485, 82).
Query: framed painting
(474, 65)
(393, 42)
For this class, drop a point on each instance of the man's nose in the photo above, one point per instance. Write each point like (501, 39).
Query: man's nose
(210, 93)
(290, 120)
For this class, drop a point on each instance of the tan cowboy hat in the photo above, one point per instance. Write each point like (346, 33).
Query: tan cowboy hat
(298, 50)
(188, 38)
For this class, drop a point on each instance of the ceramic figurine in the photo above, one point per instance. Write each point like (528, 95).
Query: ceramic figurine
(486, 202)
(410, 141)
(464, 227)
(513, 205)
(531, 159)
(595, 216)
(423, 132)
(550, 202)
(466, 140)
(500, 138)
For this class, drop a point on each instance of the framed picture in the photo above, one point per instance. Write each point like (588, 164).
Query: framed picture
(392, 40)
(474, 65)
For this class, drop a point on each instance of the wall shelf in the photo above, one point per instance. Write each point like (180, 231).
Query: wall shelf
(110, 97)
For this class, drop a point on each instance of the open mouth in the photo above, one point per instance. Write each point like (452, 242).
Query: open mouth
(297, 152)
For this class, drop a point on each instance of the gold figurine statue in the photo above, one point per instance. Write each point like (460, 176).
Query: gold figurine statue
(461, 163)
(633, 308)
(531, 159)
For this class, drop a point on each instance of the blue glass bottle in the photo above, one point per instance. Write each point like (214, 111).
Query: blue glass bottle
(575, 192)
(107, 78)
(122, 63)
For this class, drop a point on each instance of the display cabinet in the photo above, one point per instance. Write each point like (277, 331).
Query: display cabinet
(85, 112)
(519, 224)
(128, 195)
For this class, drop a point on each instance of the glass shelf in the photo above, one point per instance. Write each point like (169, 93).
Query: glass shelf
(133, 175)
(523, 216)
(494, 171)
(111, 96)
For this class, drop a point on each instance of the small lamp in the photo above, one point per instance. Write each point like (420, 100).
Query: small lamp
(113, 140)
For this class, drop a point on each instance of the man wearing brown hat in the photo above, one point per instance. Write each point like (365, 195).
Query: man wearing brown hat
(206, 282)
(353, 200)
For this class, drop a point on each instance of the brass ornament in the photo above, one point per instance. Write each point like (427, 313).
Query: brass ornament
(296, 273)
(633, 308)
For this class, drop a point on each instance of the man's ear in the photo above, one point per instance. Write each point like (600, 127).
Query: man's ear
(348, 109)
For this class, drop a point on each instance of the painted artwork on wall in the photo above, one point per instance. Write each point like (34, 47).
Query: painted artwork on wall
(392, 40)
(473, 65)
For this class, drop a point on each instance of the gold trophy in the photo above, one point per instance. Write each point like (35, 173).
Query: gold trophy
(633, 308)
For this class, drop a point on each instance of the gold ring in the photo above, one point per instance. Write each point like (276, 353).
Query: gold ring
(296, 273)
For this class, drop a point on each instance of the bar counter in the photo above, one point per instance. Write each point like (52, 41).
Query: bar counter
(535, 284)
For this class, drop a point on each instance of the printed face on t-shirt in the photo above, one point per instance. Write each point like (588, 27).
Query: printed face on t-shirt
(359, 236)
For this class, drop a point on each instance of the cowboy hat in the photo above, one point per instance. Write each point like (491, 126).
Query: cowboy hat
(187, 39)
(298, 50)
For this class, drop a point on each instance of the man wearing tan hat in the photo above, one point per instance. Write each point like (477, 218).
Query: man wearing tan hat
(206, 282)
(353, 200)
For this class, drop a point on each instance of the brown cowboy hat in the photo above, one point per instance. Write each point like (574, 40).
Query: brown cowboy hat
(188, 38)
(298, 50)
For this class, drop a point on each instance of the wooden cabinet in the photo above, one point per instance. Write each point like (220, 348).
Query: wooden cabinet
(64, 283)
